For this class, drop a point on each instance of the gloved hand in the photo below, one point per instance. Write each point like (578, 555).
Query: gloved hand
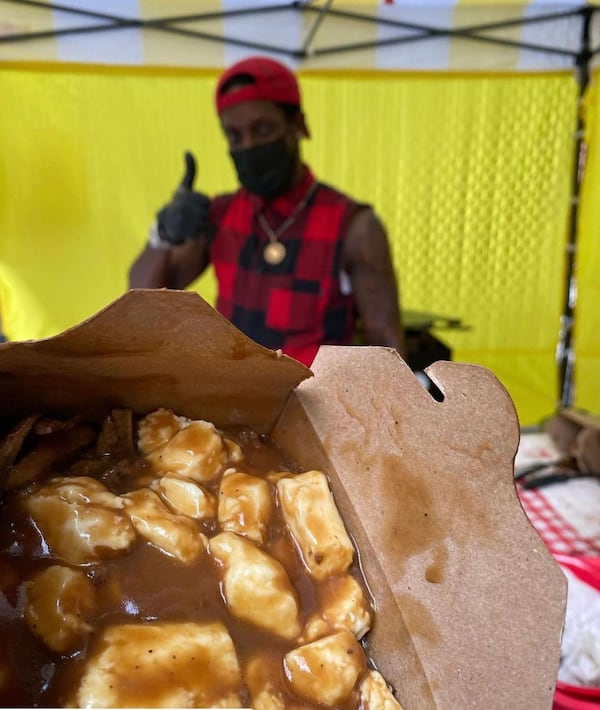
(188, 212)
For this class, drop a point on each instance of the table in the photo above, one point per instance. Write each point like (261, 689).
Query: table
(566, 515)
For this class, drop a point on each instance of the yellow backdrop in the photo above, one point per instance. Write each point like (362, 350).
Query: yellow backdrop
(587, 330)
(470, 173)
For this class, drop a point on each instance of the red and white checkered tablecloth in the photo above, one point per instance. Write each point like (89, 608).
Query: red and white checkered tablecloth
(566, 515)
(567, 518)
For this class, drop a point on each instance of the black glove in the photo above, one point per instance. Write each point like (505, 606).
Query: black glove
(188, 212)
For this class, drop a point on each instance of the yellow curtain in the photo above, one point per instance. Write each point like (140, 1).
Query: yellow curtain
(587, 313)
(470, 173)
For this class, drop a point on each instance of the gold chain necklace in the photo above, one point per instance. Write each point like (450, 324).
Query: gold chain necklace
(274, 252)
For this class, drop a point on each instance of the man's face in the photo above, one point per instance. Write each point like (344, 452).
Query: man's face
(253, 123)
(264, 146)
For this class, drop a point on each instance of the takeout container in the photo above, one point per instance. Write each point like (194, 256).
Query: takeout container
(469, 602)
(576, 434)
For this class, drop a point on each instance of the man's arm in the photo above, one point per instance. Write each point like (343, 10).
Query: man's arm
(175, 267)
(366, 258)
(177, 248)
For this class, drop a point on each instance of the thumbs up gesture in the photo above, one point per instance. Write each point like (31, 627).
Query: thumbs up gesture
(187, 215)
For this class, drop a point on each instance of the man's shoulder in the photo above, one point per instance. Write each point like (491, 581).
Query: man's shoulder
(225, 198)
(330, 194)
(223, 202)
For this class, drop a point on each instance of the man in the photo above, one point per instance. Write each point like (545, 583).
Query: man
(298, 264)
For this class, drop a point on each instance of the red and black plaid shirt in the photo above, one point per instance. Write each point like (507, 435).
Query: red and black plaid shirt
(296, 305)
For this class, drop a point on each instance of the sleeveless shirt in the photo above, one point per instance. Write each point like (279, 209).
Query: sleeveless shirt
(296, 305)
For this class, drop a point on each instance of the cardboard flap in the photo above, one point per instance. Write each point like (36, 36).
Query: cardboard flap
(429, 487)
(583, 419)
(150, 349)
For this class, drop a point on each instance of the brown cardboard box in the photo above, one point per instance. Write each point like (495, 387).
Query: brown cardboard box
(581, 418)
(469, 603)
(576, 434)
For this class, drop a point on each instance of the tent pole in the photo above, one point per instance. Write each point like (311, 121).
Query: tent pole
(565, 353)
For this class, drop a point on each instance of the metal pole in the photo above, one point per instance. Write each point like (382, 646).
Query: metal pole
(565, 353)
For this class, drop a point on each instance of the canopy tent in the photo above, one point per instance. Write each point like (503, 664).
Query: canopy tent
(384, 34)
(462, 123)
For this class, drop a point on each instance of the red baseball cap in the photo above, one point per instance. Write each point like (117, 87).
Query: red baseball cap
(272, 81)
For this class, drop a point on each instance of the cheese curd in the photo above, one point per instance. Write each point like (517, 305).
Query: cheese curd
(186, 497)
(326, 671)
(344, 605)
(174, 534)
(375, 694)
(256, 587)
(245, 505)
(263, 678)
(58, 602)
(169, 665)
(315, 524)
(80, 520)
(158, 428)
(197, 451)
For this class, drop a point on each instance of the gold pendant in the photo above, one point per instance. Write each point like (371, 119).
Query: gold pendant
(274, 253)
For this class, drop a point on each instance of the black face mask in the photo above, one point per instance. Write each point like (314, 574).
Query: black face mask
(266, 170)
